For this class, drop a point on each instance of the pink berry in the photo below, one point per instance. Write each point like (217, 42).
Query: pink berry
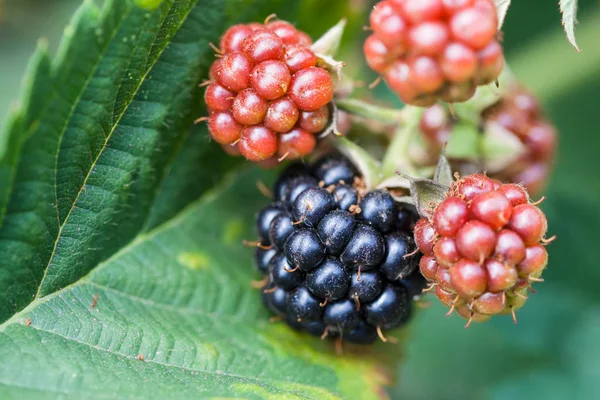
(510, 248)
(223, 128)
(433, 119)
(254, 26)
(428, 38)
(398, 78)
(527, 103)
(529, 222)
(511, 121)
(233, 38)
(491, 63)
(468, 278)
(311, 88)
(447, 298)
(426, 74)
(249, 108)
(314, 121)
(443, 278)
(233, 71)
(490, 303)
(296, 143)
(263, 45)
(428, 267)
(493, 208)
(476, 241)
(299, 57)
(257, 143)
(536, 259)
(541, 141)
(458, 92)
(500, 276)
(533, 177)
(282, 115)
(474, 27)
(286, 31)
(450, 216)
(378, 56)
(304, 39)
(424, 236)
(465, 312)
(514, 193)
(387, 24)
(212, 73)
(473, 185)
(458, 62)
(271, 79)
(417, 11)
(445, 252)
(218, 98)
(453, 6)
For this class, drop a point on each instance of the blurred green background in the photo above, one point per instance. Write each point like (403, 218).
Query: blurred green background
(554, 351)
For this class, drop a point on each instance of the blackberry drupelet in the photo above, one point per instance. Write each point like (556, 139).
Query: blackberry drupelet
(340, 262)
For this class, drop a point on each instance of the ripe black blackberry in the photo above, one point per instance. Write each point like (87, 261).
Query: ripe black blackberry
(339, 261)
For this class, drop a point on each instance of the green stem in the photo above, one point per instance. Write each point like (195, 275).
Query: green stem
(396, 157)
(366, 110)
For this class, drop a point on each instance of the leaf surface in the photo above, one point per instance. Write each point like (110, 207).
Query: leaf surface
(101, 126)
(175, 318)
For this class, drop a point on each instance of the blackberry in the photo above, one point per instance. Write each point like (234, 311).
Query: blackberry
(483, 247)
(434, 49)
(339, 261)
(262, 258)
(268, 94)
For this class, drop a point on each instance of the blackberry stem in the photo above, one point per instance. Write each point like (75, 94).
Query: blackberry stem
(372, 111)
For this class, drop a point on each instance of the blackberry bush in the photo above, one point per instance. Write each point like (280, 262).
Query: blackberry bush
(483, 246)
(434, 49)
(339, 261)
(267, 98)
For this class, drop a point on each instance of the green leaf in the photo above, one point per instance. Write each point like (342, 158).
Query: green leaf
(568, 8)
(443, 171)
(175, 318)
(426, 194)
(98, 131)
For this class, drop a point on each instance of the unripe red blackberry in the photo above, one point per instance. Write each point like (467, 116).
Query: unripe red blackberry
(483, 247)
(267, 96)
(332, 272)
(519, 113)
(434, 49)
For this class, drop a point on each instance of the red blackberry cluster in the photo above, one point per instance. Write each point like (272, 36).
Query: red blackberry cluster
(267, 98)
(340, 261)
(434, 49)
(519, 113)
(483, 247)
